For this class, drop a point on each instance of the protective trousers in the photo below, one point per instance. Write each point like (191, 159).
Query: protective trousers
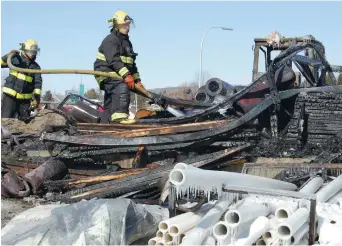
(11, 106)
(116, 99)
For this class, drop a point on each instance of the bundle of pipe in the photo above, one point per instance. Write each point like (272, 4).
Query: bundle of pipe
(246, 222)
(257, 219)
(202, 96)
(216, 86)
(213, 181)
(173, 230)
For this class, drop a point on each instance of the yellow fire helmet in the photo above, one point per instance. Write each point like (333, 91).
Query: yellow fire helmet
(30, 47)
(120, 17)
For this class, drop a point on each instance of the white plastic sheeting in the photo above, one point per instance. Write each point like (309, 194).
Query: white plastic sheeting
(94, 222)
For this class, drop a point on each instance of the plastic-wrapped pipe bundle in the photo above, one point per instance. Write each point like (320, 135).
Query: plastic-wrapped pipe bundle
(216, 86)
(202, 96)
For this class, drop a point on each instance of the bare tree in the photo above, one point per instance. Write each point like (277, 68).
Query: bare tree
(193, 84)
(92, 94)
(48, 96)
(100, 94)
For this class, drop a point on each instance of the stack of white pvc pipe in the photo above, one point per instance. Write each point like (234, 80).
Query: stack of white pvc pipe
(171, 231)
(258, 220)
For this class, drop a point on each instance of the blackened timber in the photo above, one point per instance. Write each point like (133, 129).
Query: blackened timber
(182, 138)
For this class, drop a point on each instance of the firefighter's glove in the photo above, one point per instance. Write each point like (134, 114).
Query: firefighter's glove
(34, 104)
(129, 81)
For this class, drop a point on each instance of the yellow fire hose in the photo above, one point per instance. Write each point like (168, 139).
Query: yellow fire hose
(138, 89)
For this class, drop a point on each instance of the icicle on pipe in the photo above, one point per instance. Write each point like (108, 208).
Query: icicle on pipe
(334, 199)
(202, 229)
(312, 186)
(183, 239)
(153, 241)
(257, 229)
(165, 224)
(329, 190)
(285, 211)
(221, 231)
(290, 226)
(245, 213)
(300, 233)
(209, 240)
(176, 229)
(185, 179)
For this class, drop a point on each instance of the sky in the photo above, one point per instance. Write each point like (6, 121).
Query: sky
(167, 36)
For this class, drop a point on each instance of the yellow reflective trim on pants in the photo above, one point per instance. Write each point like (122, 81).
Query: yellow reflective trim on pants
(123, 71)
(21, 76)
(127, 59)
(119, 116)
(136, 76)
(3, 63)
(99, 79)
(37, 91)
(24, 96)
(101, 56)
(13, 93)
(9, 91)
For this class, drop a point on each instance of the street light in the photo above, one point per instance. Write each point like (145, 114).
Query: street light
(205, 33)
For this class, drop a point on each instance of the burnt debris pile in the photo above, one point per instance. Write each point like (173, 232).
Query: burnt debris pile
(274, 123)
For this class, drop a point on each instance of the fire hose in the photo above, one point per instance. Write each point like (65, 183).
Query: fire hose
(137, 89)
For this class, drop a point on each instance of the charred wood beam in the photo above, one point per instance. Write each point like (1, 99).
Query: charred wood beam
(99, 127)
(53, 186)
(25, 166)
(141, 181)
(191, 127)
(278, 62)
(186, 137)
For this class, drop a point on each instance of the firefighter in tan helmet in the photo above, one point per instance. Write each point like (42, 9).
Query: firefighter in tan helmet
(21, 91)
(116, 55)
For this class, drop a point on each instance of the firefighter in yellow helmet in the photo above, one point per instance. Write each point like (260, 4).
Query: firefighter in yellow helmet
(116, 55)
(21, 91)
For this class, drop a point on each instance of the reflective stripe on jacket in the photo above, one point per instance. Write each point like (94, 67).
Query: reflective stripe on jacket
(116, 55)
(22, 85)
